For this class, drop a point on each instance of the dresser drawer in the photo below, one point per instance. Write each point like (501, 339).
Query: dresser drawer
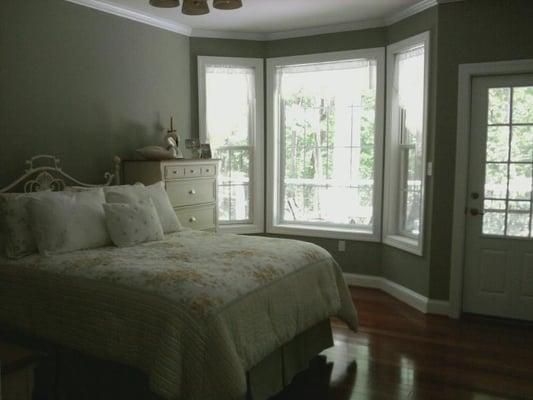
(174, 172)
(208, 170)
(197, 217)
(190, 192)
(192, 171)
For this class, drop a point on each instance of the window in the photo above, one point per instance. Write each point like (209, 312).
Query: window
(325, 144)
(407, 87)
(231, 121)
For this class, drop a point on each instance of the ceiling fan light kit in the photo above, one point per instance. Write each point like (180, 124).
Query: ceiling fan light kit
(197, 7)
(165, 3)
(227, 4)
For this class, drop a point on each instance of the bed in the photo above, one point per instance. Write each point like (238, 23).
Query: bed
(203, 315)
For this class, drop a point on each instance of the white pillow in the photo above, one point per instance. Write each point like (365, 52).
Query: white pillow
(132, 194)
(68, 221)
(131, 224)
(15, 223)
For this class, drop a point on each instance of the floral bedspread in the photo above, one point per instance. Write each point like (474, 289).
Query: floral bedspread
(194, 311)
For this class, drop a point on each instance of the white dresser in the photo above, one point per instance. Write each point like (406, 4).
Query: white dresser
(191, 186)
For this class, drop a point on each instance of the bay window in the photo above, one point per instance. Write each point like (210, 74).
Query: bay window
(325, 144)
(405, 169)
(231, 121)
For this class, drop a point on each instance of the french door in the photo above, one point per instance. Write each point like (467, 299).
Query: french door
(498, 277)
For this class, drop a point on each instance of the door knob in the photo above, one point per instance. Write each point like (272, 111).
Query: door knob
(475, 212)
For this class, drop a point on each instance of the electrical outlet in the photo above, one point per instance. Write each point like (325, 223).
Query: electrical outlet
(342, 245)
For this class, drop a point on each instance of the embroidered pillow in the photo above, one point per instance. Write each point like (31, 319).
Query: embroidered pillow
(63, 222)
(15, 224)
(132, 194)
(131, 224)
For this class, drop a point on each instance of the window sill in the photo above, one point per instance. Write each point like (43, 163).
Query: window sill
(404, 243)
(240, 229)
(323, 232)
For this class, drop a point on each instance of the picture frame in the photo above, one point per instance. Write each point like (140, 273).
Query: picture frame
(205, 151)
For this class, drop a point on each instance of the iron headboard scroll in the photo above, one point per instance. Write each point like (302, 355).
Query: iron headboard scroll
(44, 172)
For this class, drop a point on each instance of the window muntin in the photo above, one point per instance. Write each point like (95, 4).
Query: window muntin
(509, 163)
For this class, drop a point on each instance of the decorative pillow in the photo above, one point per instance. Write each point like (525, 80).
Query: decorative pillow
(15, 224)
(68, 221)
(131, 224)
(132, 194)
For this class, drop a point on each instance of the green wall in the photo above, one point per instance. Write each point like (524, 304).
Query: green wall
(85, 85)
(469, 32)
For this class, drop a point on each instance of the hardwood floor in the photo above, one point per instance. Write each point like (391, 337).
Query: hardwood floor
(400, 353)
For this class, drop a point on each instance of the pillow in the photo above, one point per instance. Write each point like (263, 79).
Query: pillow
(131, 224)
(68, 221)
(15, 225)
(132, 194)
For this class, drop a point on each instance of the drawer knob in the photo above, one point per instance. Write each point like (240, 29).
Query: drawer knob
(175, 172)
(192, 191)
(192, 219)
(191, 171)
(207, 170)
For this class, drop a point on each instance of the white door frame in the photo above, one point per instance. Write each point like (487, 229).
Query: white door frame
(466, 73)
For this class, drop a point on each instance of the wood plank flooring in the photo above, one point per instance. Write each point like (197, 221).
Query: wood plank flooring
(400, 353)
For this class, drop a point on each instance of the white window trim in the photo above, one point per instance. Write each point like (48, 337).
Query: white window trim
(390, 201)
(257, 161)
(273, 174)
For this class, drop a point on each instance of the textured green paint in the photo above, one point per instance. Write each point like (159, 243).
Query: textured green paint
(84, 85)
(352, 40)
(469, 32)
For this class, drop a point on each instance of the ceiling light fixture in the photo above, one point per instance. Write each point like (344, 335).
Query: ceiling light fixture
(197, 7)
(165, 3)
(227, 4)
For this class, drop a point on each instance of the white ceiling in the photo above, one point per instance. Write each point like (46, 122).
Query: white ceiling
(268, 19)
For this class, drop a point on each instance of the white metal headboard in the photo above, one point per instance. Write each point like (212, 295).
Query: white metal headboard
(44, 172)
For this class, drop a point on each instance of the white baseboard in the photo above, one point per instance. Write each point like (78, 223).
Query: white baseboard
(406, 295)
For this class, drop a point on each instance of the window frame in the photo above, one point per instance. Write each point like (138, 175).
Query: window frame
(273, 223)
(393, 150)
(257, 186)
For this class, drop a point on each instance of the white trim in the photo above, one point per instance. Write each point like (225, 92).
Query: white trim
(405, 295)
(273, 225)
(391, 236)
(258, 163)
(134, 15)
(466, 73)
(410, 11)
(183, 29)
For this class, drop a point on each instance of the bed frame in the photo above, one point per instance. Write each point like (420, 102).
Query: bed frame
(43, 172)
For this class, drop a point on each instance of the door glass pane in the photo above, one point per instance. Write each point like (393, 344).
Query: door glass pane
(494, 223)
(499, 105)
(508, 180)
(520, 182)
(523, 105)
(522, 143)
(496, 181)
(498, 143)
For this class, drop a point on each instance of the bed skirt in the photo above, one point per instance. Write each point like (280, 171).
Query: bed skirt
(68, 374)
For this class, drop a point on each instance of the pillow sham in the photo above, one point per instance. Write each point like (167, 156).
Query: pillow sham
(15, 224)
(132, 194)
(131, 224)
(63, 222)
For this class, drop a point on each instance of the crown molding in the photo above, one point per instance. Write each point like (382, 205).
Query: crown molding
(133, 15)
(410, 11)
(186, 30)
